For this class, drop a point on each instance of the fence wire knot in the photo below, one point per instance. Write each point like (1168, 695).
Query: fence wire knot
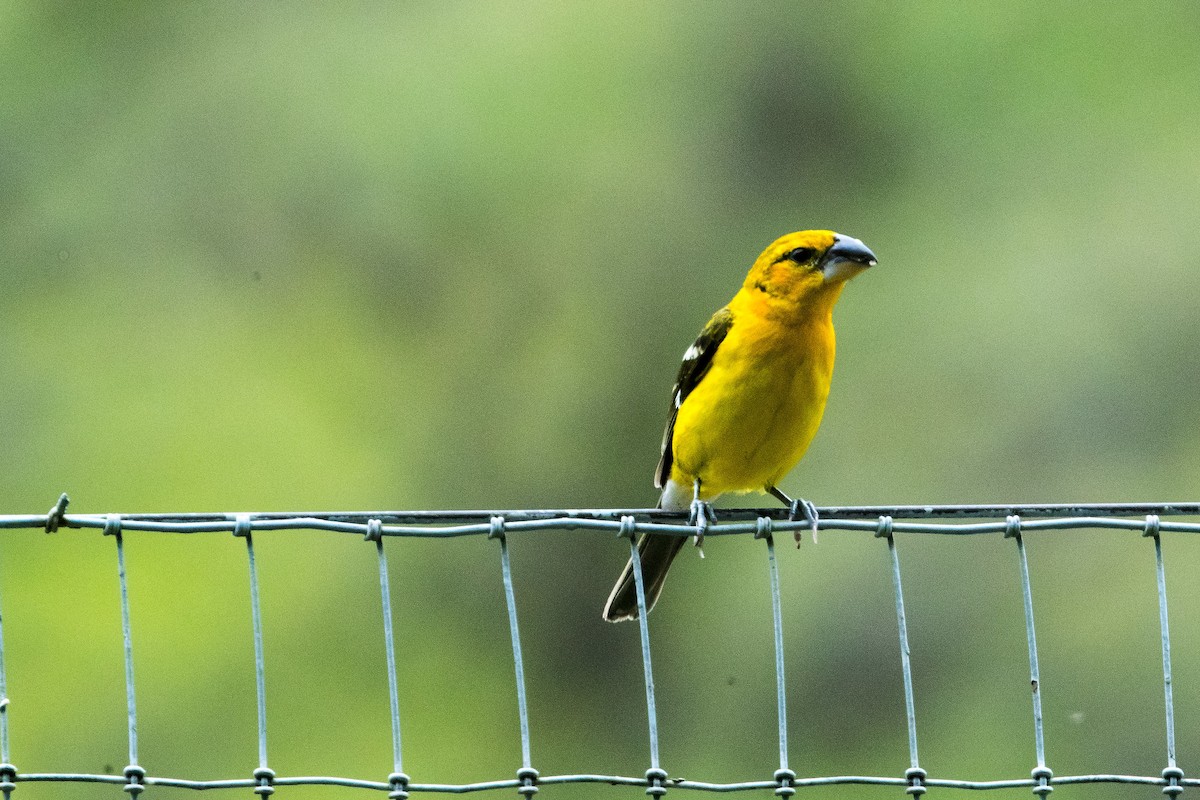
(1042, 775)
(112, 525)
(266, 780)
(374, 530)
(496, 529)
(884, 529)
(656, 779)
(1152, 526)
(916, 781)
(398, 782)
(528, 777)
(786, 782)
(763, 527)
(8, 777)
(628, 527)
(1012, 526)
(241, 527)
(1174, 778)
(136, 777)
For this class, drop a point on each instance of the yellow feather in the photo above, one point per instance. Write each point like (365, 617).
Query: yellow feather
(753, 416)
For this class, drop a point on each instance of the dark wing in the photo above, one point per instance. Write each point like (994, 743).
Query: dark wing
(696, 362)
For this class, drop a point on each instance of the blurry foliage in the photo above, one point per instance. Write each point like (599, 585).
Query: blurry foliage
(447, 255)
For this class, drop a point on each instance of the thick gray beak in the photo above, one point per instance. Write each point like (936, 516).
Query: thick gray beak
(846, 258)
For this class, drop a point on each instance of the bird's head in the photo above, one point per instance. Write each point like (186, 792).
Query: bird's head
(808, 264)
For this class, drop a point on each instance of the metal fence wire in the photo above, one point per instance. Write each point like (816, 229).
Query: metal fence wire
(883, 522)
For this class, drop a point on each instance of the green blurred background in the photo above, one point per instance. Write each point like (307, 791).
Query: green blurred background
(447, 255)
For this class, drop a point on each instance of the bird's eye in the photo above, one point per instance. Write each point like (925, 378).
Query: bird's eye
(801, 255)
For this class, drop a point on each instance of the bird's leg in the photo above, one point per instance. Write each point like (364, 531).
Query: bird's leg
(701, 514)
(798, 509)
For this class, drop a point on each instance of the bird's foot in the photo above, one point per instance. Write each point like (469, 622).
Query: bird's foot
(805, 510)
(798, 509)
(701, 515)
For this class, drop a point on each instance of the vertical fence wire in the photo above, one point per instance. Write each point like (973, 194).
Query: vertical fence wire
(1172, 774)
(1041, 773)
(526, 774)
(8, 772)
(656, 776)
(134, 774)
(397, 780)
(784, 777)
(915, 775)
(263, 775)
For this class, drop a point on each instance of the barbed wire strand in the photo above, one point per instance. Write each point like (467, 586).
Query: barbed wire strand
(417, 522)
(446, 524)
(628, 523)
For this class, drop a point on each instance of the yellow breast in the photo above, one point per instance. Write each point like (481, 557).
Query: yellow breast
(751, 418)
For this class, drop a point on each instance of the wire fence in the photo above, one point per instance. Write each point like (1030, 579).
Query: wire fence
(881, 521)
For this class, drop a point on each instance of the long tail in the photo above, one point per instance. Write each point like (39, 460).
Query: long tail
(656, 553)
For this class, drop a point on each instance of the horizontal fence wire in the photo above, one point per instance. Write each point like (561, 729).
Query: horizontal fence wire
(1151, 520)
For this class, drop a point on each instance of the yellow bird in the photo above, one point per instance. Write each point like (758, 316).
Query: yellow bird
(750, 392)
